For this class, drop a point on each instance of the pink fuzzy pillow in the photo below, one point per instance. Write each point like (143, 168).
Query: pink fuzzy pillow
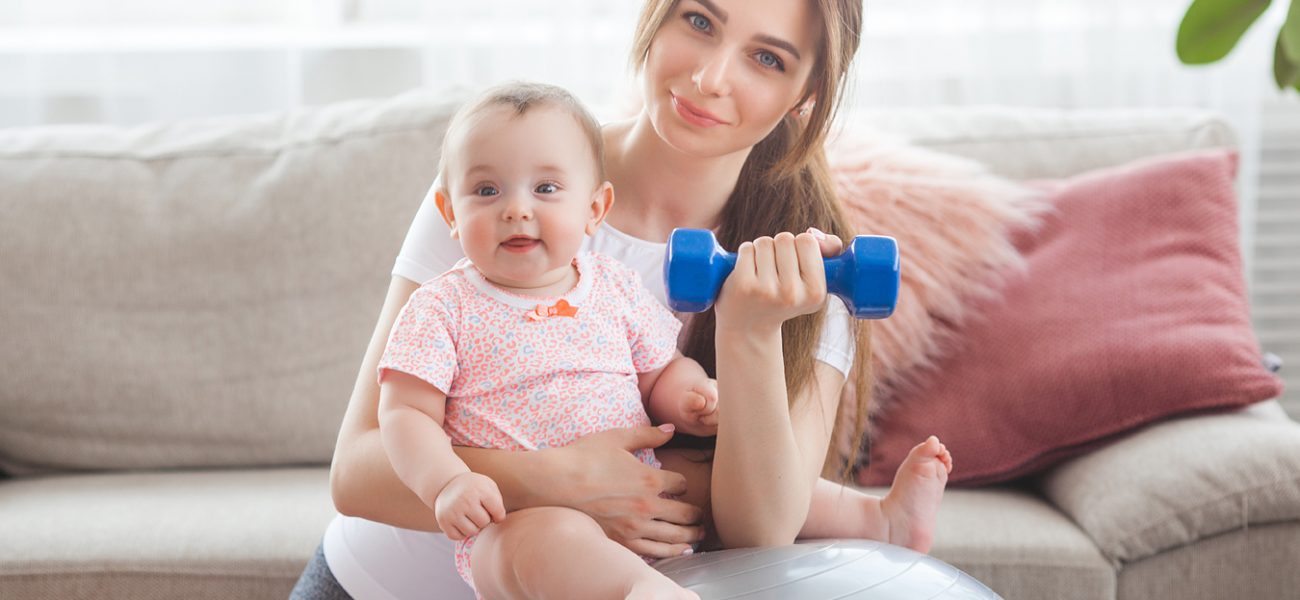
(952, 219)
(1133, 309)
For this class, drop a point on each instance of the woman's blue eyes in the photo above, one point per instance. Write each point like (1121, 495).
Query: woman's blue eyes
(701, 23)
(767, 59)
(698, 21)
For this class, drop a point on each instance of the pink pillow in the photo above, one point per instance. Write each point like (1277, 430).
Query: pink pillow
(952, 219)
(1133, 308)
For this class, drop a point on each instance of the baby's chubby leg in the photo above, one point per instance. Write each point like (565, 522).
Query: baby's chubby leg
(553, 552)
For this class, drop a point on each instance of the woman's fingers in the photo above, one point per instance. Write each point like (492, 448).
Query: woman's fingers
(745, 261)
(765, 259)
(630, 439)
(655, 549)
(829, 243)
(811, 263)
(787, 262)
(677, 513)
(673, 484)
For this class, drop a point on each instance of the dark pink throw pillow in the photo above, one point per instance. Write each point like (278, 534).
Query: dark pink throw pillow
(1133, 308)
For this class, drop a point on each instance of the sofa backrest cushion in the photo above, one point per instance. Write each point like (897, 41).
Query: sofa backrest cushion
(199, 293)
(1133, 309)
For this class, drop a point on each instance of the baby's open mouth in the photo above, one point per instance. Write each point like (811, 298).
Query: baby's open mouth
(520, 243)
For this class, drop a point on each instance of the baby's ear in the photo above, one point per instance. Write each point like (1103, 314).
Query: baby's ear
(444, 208)
(601, 202)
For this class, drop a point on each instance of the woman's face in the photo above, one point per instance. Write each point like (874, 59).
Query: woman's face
(720, 74)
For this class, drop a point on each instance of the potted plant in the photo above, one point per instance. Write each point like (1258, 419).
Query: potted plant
(1211, 28)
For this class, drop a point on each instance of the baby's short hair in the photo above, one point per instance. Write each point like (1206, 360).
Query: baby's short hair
(524, 96)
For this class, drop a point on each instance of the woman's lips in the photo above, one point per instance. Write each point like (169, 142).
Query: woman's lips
(520, 244)
(694, 114)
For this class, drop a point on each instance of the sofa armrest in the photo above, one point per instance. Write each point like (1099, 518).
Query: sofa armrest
(1179, 481)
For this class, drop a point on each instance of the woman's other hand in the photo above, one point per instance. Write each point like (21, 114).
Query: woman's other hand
(775, 279)
(623, 494)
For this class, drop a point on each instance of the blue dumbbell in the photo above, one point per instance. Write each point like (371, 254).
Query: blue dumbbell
(865, 276)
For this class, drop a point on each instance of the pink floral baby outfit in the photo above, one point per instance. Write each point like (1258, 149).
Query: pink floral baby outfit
(525, 373)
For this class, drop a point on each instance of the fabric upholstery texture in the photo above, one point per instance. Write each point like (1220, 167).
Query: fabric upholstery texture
(200, 293)
(1181, 481)
(1259, 562)
(198, 534)
(1019, 545)
(1132, 309)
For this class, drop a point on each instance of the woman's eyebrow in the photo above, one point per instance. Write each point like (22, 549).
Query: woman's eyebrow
(763, 38)
(713, 8)
(779, 43)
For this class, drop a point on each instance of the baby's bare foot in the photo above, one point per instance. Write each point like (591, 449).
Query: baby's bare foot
(912, 504)
(659, 587)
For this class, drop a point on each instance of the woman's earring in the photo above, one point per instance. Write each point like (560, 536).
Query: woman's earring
(803, 110)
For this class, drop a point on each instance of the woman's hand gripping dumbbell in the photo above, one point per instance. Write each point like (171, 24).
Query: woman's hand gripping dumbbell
(865, 275)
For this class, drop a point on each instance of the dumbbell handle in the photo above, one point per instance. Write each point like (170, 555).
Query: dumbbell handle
(865, 275)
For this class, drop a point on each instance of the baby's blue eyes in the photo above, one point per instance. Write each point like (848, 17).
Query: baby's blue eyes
(486, 191)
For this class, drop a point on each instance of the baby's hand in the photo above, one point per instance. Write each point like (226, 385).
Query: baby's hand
(467, 504)
(699, 409)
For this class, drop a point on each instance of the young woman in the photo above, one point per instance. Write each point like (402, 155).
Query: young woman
(738, 97)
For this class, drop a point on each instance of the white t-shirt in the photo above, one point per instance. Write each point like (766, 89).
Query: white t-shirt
(379, 561)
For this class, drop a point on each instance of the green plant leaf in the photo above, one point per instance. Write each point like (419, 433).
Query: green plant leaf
(1286, 72)
(1290, 36)
(1211, 28)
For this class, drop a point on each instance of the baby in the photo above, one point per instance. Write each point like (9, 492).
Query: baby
(528, 343)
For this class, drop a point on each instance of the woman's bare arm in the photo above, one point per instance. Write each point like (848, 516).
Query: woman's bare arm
(597, 474)
(769, 455)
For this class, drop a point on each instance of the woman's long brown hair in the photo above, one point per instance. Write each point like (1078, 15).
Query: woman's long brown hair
(785, 185)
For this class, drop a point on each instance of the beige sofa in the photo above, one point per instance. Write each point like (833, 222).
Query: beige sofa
(183, 308)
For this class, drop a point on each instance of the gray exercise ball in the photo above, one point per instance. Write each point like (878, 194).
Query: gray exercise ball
(822, 570)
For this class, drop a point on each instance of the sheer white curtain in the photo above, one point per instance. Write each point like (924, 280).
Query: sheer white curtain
(134, 60)
(131, 61)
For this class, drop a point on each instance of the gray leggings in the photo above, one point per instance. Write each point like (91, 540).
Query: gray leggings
(317, 581)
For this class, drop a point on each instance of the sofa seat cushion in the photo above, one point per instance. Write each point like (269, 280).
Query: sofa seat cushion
(1183, 480)
(1019, 545)
(1260, 562)
(201, 534)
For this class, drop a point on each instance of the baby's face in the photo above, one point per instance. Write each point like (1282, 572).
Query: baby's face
(523, 192)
